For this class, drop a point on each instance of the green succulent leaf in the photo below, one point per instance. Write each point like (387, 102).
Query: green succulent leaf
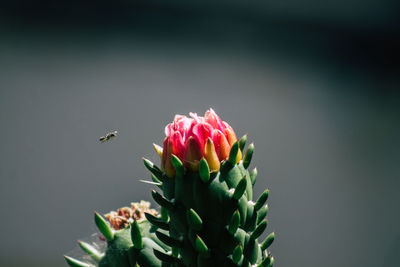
(76, 263)
(259, 229)
(242, 142)
(91, 251)
(268, 241)
(261, 200)
(103, 227)
(248, 156)
(237, 254)
(204, 170)
(136, 235)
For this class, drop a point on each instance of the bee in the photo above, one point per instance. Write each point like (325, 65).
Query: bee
(108, 136)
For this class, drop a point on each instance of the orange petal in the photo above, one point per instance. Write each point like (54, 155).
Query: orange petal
(193, 154)
(231, 136)
(222, 146)
(211, 156)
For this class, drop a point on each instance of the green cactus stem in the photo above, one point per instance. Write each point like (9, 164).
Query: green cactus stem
(213, 220)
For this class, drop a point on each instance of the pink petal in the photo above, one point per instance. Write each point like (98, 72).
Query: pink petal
(202, 132)
(213, 119)
(178, 146)
(180, 124)
(221, 144)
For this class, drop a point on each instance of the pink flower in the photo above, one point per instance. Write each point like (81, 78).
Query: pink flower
(192, 138)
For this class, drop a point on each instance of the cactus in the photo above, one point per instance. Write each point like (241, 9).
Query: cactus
(208, 216)
(130, 239)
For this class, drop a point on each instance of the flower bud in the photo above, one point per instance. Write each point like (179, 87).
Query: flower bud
(192, 138)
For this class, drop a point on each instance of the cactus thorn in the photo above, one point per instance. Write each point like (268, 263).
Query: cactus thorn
(136, 235)
(164, 257)
(233, 153)
(240, 189)
(178, 165)
(262, 213)
(156, 221)
(259, 229)
(204, 170)
(268, 241)
(261, 200)
(248, 156)
(172, 242)
(90, 250)
(76, 263)
(201, 247)
(194, 220)
(103, 227)
(234, 222)
(253, 176)
(152, 168)
(162, 201)
(242, 142)
(237, 253)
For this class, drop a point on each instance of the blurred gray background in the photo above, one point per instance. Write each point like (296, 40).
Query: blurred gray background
(314, 84)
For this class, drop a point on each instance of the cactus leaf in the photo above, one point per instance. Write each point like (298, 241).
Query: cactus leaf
(204, 170)
(201, 247)
(164, 214)
(194, 220)
(91, 251)
(251, 218)
(157, 221)
(233, 153)
(234, 223)
(262, 213)
(172, 242)
(164, 257)
(177, 163)
(242, 142)
(253, 176)
(268, 241)
(237, 254)
(259, 229)
(76, 263)
(155, 179)
(175, 251)
(266, 262)
(162, 201)
(251, 250)
(240, 189)
(153, 168)
(248, 156)
(136, 235)
(261, 200)
(103, 227)
(272, 262)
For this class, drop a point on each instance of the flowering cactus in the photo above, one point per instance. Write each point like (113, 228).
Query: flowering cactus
(208, 217)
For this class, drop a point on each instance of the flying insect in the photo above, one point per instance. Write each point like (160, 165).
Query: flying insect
(108, 136)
